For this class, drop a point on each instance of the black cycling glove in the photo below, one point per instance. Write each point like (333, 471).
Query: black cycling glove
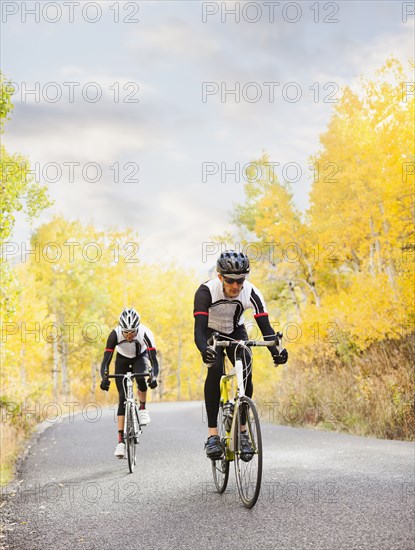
(105, 384)
(209, 355)
(280, 358)
(152, 382)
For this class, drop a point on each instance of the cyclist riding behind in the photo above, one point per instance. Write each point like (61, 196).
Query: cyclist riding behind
(218, 307)
(136, 352)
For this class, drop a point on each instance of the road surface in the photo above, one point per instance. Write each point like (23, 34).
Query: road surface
(321, 490)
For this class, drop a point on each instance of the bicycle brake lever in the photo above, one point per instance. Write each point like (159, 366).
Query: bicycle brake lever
(212, 340)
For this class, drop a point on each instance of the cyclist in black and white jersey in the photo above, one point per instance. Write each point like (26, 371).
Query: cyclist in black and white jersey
(136, 352)
(219, 306)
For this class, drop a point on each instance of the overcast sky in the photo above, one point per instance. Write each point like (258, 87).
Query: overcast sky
(140, 92)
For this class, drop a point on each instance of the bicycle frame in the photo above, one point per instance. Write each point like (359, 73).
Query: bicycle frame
(129, 398)
(242, 439)
(132, 429)
(237, 371)
(128, 384)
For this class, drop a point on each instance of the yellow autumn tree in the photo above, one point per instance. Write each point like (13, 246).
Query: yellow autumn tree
(362, 198)
(354, 342)
(271, 223)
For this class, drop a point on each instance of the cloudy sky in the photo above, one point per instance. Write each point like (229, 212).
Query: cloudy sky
(138, 113)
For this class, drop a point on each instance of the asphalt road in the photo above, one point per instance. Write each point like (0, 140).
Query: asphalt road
(321, 490)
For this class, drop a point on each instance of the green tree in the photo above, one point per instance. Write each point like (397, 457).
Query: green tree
(19, 192)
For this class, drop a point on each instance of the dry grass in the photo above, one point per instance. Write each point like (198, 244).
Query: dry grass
(11, 440)
(370, 394)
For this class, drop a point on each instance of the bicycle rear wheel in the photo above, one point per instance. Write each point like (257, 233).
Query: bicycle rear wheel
(131, 437)
(248, 452)
(220, 468)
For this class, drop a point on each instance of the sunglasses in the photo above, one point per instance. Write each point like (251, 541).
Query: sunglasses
(126, 332)
(239, 281)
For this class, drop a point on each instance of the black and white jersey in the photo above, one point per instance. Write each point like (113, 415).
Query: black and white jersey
(226, 314)
(143, 341)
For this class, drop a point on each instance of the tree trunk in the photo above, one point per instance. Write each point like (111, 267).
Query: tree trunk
(291, 289)
(377, 251)
(65, 375)
(355, 262)
(55, 369)
(179, 367)
(94, 369)
(64, 362)
(22, 366)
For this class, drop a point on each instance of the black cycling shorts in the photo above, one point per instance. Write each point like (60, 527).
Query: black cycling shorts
(139, 365)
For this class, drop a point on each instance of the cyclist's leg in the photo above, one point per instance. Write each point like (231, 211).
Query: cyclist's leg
(122, 366)
(241, 334)
(247, 363)
(214, 446)
(142, 365)
(212, 392)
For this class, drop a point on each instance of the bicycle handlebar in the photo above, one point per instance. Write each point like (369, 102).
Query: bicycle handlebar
(214, 342)
(133, 375)
(151, 382)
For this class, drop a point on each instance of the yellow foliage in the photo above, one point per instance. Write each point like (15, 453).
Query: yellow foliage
(337, 280)
(73, 289)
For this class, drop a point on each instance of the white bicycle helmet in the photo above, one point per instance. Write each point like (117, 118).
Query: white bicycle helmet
(129, 319)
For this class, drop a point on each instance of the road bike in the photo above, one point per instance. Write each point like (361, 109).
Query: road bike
(132, 427)
(238, 424)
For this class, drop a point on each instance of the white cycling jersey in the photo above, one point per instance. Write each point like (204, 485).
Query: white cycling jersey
(226, 314)
(143, 341)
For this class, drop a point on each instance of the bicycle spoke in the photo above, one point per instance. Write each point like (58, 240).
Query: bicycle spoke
(130, 439)
(248, 455)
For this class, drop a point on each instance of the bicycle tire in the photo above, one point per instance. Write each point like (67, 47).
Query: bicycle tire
(137, 430)
(220, 468)
(130, 437)
(248, 465)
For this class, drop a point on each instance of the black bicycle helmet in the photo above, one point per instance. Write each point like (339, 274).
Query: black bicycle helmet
(129, 319)
(232, 263)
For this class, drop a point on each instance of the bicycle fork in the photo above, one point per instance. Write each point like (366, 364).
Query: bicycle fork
(136, 425)
(232, 436)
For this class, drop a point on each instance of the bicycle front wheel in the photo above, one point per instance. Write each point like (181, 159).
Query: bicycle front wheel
(220, 468)
(248, 452)
(130, 441)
